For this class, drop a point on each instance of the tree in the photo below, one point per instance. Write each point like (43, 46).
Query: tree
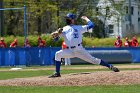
(45, 16)
(11, 21)
(1, 19)
(42, 14)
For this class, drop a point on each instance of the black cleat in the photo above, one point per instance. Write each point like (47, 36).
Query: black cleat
(114, 69)
(55, 75)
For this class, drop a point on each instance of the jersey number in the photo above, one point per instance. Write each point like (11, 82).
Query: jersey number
(75, 34)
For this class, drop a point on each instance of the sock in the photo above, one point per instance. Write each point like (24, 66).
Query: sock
(57, 65)
(103, 63)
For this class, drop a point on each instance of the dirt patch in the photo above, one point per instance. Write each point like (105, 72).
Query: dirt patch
(79, 79)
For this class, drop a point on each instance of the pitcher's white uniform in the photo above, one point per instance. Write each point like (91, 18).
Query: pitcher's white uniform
(73, 38)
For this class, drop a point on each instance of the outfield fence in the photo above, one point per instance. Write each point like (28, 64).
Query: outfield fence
(45, 56)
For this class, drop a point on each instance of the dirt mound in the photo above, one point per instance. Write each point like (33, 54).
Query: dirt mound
(79, 79)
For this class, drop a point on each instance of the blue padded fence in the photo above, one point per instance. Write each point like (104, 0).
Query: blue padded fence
(45, 56)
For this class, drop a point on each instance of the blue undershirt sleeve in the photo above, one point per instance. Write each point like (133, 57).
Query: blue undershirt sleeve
(90, 25)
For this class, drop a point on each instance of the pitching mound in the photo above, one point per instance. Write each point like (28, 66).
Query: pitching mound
(78, 79)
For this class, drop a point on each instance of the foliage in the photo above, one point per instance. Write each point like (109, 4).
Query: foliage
(87, 41)
(43, 16)
(96, 42)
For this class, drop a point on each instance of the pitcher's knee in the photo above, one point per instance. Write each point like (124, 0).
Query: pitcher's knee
(96, 61)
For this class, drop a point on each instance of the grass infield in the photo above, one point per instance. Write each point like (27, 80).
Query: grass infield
(72, 89)
(6, 73)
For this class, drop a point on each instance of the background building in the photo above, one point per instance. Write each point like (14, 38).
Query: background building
(122, 21)
(131, 22)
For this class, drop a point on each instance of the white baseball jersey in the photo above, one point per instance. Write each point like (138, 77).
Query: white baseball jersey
(73, 34)
(73, 38)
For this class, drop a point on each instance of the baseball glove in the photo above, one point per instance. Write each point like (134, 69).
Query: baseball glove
(56, 33)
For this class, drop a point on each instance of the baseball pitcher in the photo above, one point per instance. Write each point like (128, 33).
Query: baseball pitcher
(72, 35)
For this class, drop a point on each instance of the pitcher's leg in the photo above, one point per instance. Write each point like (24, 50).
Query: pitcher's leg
(84, 55)
(60, 54)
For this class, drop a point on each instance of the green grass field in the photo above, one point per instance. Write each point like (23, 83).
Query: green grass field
(26, 72)
(72, 89)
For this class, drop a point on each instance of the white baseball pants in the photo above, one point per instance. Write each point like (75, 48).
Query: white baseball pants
(78, 52)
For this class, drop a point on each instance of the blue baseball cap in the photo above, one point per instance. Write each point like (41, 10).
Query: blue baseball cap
(71, 16)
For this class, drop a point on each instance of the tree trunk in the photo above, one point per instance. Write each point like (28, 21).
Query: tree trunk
(1, 19)
(39, 25)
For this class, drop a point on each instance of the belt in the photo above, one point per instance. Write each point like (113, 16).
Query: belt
(73, 46)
